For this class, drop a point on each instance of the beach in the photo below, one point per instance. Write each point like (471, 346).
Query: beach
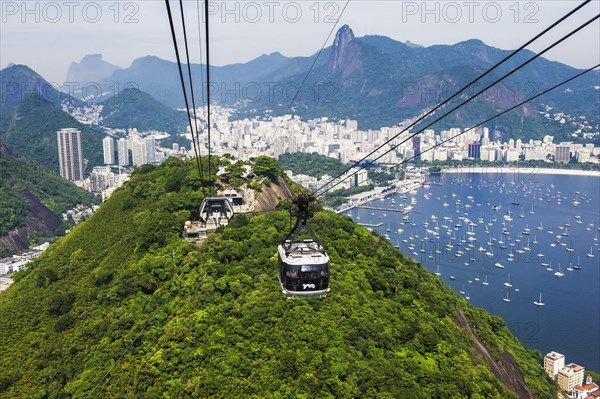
(521, 170)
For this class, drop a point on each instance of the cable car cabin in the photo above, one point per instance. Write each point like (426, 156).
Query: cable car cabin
(303, 268)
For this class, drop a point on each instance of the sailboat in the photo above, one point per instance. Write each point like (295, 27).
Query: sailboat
(577, 267)
(539, 302)
(437, 273)
(559, 273)
(485, 282)
(590, 254)
(570, 268)
(508, 284)
(507, 299)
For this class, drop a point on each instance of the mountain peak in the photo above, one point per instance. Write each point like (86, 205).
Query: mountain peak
(412, 45)
(340, 55)
(91, 68)
(343, 36)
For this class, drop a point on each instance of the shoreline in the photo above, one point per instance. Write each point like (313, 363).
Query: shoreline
(493, 170)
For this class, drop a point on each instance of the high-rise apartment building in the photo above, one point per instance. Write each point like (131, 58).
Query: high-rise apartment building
(108, 146)
(562, 153)
(474, 149)
(70, 157)
(144, 151)
(123, 152)
(150, 150)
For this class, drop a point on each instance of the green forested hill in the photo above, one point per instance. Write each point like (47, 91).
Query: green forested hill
(122, 307)
(132, 108)
(315, 164)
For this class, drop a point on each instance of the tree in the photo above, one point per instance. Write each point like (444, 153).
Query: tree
(266, 166)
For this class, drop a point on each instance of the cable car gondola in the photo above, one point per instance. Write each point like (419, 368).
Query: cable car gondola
(303, 264)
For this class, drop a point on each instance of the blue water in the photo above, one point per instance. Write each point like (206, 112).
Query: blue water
(570, 320)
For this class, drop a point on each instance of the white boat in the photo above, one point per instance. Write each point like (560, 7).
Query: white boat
(539, 302)
(590, 254)
(499, 265)
(485, 282)
(570, 268)
(559, 273)
(507, 299)
(508, 284)
(437, 273)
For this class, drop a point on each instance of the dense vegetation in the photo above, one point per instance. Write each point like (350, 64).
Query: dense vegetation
(18, 174)
(315, 164)
(122, 307)
(132, 108)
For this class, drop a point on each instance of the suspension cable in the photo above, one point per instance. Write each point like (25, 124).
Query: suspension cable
(200, 46)
(187, 107)
(207, 33)
(187, 56)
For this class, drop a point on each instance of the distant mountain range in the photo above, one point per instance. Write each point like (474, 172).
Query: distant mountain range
(160, 78)
(91, 69)
(380, 82)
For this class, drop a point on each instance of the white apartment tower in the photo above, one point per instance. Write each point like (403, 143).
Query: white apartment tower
(139, 152)
(70, 157)
(108, 146)
(123, 152)
(553, 363)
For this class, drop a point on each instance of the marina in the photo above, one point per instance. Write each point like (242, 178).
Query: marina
(470, 232)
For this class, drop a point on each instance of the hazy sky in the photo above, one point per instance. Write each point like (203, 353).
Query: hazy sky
(49, 35)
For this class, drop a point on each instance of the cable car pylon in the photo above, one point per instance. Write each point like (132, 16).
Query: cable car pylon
(303, 264)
